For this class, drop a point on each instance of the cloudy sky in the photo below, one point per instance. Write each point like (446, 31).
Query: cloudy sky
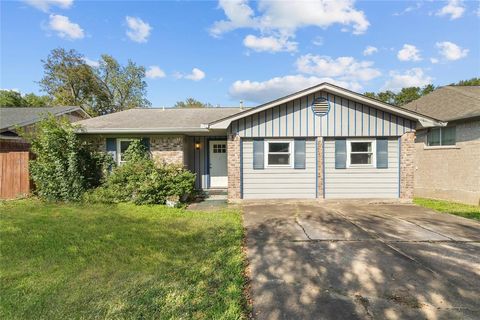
(226, 51)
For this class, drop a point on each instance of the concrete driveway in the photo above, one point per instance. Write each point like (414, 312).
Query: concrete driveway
(358, 260)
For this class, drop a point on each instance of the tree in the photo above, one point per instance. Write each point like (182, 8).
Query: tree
(191, 103)
(118, 87)
(405, 95)
(10, 98)
(68, 79)
(469, 82)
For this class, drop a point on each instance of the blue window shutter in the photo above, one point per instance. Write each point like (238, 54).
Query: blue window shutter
(112, 148)
(382, 153)
(340, 154)
(146, 143)
(299, 148)
(258, 154)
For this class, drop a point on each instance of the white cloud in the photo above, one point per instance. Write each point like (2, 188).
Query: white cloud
(64, 27)
(283, 18)
(91, 63)
(408, 9)
(409, 53)
(195, 75)
(454, 9)
(45, 5)
(138, 30)
(154, 72)
(262, 91)
(434, 60)
(269, 44)
(414, 77)
(318, 41)
(344, 68)
(451, 51)
(369, 50)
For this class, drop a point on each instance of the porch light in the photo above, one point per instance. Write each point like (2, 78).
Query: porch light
(197, 145)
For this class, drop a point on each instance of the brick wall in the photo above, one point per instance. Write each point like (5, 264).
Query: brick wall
(450, 173)
(233, 165)
(407, 165)
(320, 167)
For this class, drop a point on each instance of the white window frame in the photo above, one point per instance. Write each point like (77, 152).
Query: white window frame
(119, 154)
(374, 153)
(291, 153)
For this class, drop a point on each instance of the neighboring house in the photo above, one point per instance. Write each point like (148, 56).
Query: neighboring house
(322, 142)
(447, 159)
(14, 151)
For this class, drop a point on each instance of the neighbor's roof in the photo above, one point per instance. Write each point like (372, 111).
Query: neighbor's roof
(13, 117)
(449, 103)
(156, 120)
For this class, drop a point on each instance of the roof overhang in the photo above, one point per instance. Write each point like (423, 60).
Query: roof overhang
(424, 121)
(83, 130)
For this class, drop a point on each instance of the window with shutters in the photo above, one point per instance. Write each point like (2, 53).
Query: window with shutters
(361, 153)
(278, 153)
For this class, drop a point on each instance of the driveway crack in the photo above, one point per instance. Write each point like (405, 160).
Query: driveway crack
(297, 211)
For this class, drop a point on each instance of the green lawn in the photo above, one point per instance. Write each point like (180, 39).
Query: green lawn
(62, 261)
(459, 209)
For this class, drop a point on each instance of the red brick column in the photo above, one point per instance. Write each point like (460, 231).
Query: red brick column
(407, 169)
(233, 166)
(320, 168)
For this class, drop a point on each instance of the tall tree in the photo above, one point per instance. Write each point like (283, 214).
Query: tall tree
(33, 100)
(68, 78)
(191, 103)
(119, 87)
(469, 82)
(10, 98)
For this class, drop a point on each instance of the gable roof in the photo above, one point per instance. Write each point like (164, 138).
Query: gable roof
(170, 120)
(13, 117)
(424, 120)
(449, 103)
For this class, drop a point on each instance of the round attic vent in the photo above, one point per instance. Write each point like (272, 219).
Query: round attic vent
(320, 106)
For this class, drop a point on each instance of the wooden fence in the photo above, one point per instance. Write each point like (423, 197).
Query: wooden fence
(14, 174)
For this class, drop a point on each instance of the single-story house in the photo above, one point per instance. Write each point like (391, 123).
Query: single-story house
(321, 142)
(14, 151)
(447, 159)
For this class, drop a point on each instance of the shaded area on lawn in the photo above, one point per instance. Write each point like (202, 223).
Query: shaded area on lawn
(459, 209)
(63, 261)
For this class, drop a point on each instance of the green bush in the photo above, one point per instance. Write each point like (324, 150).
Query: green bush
(140, 181)
(64, 167)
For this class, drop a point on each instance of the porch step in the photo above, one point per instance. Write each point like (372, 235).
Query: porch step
(215, 194)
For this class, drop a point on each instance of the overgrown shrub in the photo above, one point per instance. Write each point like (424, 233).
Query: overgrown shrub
(64, 167)
(141, 181)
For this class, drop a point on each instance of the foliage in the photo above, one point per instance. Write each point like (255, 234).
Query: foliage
(107, 88)
(191, 103)
(11, 98)
(469, 82)
(405, 95)
(119, 262)
(140, 181)
(64, 167)
(459, 209)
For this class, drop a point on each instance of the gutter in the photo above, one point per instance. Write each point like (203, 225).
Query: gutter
(83, 130)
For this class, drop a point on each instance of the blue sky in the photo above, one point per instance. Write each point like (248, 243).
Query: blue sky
(226, 51)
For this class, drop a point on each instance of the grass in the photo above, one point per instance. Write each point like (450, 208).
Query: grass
(60, 261)
(459, 209)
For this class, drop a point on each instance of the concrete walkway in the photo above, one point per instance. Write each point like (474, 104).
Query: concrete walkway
(356, 260)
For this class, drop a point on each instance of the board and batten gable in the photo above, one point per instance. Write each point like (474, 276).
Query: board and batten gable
(346, 118)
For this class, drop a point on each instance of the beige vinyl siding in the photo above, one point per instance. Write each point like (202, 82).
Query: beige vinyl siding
(279, 183)
(361, 182)
(346, 118)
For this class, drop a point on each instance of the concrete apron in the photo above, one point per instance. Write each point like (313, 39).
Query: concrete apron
(354, 260)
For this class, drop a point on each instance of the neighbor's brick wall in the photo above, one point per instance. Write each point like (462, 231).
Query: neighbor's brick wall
(320, 167)
(407, 165)
(233, 164)
(450, 173)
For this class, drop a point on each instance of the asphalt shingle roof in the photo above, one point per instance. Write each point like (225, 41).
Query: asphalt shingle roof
(449, 103)
(10, 117)
(155, 118)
